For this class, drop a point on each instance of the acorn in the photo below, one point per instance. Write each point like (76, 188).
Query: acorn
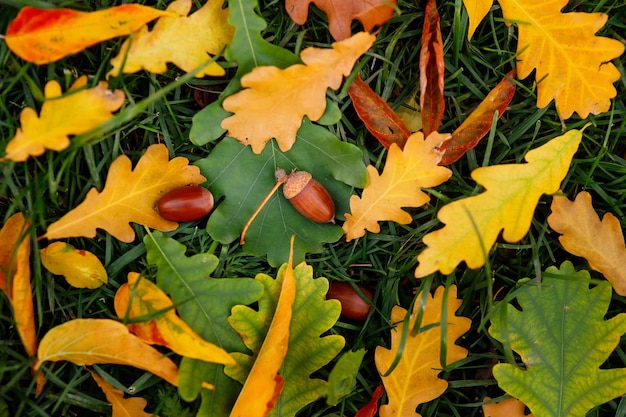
(185, 204)
(307, 195)
(353, 305)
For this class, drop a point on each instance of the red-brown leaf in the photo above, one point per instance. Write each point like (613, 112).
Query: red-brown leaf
(371, 408)
(431, 71)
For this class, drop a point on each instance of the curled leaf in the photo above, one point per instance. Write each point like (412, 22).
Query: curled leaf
(81, 269)
(431, 71)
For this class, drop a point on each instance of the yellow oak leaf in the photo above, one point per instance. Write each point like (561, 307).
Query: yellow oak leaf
(206, 31)
(572, 64)
(122, 407)
(476, 11)
(405, 172)
(46, 35)
(79, 111)
(103, 341)
(511, 407)
(164, 327)
(275, 100)
(511, 194)
(601, 243)
(128, 196)
(415, 379)
(81, 268)
(15, 278)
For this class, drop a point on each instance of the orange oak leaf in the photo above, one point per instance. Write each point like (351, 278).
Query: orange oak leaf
(405, 172)
(207, 31)
(46, 35)
(476, 11)
(79, 111)
(128, 196)
(103, 341)
(142, 298)
(378, 117)
(122, 407)
(81, 268)
(275, 100)
(15, 278)
(431, 71)
(479, 122)
(601, 243)
(264, 384)
(341, 13)
(415, 379)
(511, 407)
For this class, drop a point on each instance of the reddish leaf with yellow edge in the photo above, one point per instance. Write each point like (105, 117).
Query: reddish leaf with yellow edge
(371, 408)
(601, 243)
(264, 384)
(46, 35)
(104, 341)
(81, 110)
(207, 31)
(15, 278)
(378, 117)
(431, 71)
(275, 100)
(163, 327)
(479, 122)
(415, 379)
(122, 407)
(341, 13)
(128, 196)
(405, 173)
(81, 268)
(511, 407)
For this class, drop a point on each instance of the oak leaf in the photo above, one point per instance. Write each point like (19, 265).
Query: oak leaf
(341, 13)
(122, 407)
(128, 196)
(275, 100)
(46, 35)
(432, 69)
(79, 111)
(81, 268)
(511, 407)
(206, 32)
(415, 379)
(601, 243)
(476, 11)
(511, 194)
(142, 298)
(405, 172)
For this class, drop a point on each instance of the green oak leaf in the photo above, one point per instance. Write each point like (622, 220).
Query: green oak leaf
(204, 303)
(563, 339)
(243, 179)
(307, 351)
(342, 379)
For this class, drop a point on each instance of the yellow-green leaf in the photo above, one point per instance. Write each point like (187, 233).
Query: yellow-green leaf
(81, 268)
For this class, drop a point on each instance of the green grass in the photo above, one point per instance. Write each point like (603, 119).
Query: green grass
(50, 185)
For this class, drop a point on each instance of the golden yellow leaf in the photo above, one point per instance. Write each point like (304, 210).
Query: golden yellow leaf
(601, 243)
(264, 384)
(511, 407)
(128, 196)
(415, 379)
(79, 111)
(15, 278)
(275, 100)
(166, 328)
(511, 194)
(476, 11)
(81, 268)
(572, 64)
(405, 172)
(104, 341)
(206, 31)
(122, 407)
(46, 35)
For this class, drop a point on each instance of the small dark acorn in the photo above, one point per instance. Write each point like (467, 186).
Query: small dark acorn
(185, 204)
(353, 306)
(307, 195)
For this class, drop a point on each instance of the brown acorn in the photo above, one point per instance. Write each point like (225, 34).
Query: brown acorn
(307, 195)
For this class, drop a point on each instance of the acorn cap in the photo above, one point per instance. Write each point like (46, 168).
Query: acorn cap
(295, 183)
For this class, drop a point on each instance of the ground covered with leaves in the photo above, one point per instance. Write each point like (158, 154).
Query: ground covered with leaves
(504, 240)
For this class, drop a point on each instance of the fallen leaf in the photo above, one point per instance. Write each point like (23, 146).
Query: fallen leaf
(342, 378)
(122, 407)
(128, 196)
(275, 100)
(103, 341)
(511, 407)
(405, 172)
(476, 11)
(79, 111)
(409, 113)
(371, 408)
(601, 243)
(46, 35)
(378, 117)
(206, 31)
(511, 194)
(415, 379)
(341, 13)
(81, 268)
(432, 69)
(164, 327)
